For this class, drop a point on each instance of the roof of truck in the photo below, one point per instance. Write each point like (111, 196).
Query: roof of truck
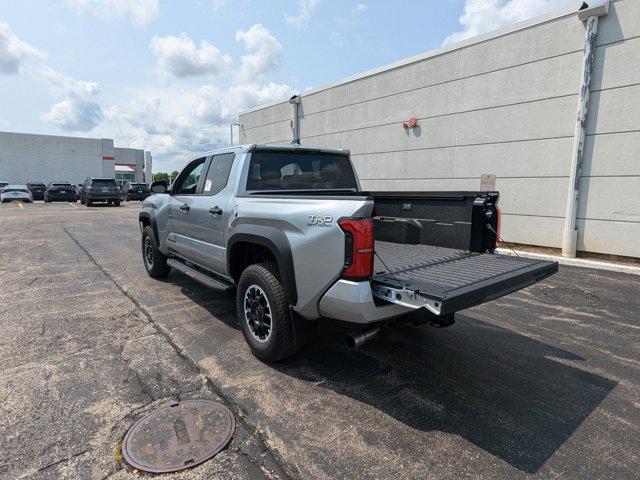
(272, 146)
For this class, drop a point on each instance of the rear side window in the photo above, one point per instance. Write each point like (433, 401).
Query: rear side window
(283, 170)
(218, 173)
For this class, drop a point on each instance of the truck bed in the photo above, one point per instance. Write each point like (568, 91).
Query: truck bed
(452, 279)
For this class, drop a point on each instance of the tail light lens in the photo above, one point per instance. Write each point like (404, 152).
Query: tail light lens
(358, 253)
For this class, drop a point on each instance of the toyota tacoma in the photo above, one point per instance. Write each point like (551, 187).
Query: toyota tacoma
(291, 230)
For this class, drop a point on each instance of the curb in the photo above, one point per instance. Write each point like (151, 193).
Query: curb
(574, 262)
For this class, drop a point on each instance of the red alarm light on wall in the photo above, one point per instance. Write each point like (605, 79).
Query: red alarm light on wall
(411, 123)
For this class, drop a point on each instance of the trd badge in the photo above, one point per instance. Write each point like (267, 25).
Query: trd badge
(320, 221)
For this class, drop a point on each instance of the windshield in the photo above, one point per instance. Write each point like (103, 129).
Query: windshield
(36, 185)
(15, 189)
(304, 170)
(60, 184)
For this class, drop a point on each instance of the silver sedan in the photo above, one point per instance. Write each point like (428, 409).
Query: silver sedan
(18, 193)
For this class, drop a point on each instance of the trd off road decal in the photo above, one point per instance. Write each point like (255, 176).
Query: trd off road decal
(320, 221)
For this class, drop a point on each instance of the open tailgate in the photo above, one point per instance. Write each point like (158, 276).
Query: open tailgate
(445, 280)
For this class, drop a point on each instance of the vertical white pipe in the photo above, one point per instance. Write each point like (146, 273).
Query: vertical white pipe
(570, 234)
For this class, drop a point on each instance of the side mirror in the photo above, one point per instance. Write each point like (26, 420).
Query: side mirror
(159, 186)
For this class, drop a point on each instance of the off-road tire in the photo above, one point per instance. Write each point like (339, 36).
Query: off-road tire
(158, 268)
(88, 203)
(281, 343)
(116, 203)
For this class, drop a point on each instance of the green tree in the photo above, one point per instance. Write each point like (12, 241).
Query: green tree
(160, 176)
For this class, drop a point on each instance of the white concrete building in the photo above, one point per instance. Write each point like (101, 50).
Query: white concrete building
(26, 157)
(504, 103)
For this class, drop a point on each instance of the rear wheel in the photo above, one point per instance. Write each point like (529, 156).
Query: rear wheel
(263, 313)
(116, 203)
(88, 203)
(155, 262)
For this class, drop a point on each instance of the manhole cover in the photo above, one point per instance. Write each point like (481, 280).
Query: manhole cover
(178, 436)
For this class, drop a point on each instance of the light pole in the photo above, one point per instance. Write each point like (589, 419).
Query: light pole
(231, 132)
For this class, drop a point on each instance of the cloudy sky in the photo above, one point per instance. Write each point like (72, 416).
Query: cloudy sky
(170, 76)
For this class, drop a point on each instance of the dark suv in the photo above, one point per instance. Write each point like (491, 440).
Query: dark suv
(135, 191)
(37, 190)
(62, 191)
(100, 190)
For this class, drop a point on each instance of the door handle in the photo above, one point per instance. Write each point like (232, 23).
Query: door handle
(184, 207)
(215, 210)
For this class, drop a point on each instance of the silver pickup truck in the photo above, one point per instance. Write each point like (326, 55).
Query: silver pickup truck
(289, 227)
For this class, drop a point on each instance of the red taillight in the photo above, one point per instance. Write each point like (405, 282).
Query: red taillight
(358, 253)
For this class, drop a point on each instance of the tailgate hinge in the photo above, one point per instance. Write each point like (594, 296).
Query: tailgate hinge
(406, 298)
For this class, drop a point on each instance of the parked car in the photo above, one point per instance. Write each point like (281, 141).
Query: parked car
(2, 185)
(37, 190)
(100, 190)
(135, 191)
(60, 191)
(12, 193)
(290, 227)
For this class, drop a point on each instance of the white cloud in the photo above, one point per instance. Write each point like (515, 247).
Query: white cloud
(177, 123)
(267, 53)
(78, 111)
(482, 16)
(140, 12)
(353, 16)
(64, 85)
(14, 53)
(305, 9)
(180, 57)
(74, 115)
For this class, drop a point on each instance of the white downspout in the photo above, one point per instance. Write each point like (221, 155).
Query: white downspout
(295, 123)
(570, 234)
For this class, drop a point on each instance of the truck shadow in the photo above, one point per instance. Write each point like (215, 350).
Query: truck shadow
(502, 391)
(510, 395)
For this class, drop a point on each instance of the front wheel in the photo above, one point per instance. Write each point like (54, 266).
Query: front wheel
(116, 203)
(263, 313)
(88, 203)
(155, 262)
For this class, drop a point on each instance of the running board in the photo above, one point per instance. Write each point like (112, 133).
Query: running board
(198, 276)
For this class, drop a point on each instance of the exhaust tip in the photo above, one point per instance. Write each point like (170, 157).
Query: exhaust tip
(350, 341)
(356, 339)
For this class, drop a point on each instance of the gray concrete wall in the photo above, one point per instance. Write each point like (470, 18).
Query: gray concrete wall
(44, 158)
(502, 104)
(133, 158)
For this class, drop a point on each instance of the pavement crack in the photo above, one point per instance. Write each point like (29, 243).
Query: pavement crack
(62, 460)
(276, 460)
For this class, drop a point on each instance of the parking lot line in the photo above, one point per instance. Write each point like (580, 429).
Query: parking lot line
(20, 205)
(73, 204)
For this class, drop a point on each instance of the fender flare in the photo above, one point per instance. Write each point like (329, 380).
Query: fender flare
(274, 240)
(152, 221)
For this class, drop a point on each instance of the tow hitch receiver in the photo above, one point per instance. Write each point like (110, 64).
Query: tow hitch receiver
(443, 321)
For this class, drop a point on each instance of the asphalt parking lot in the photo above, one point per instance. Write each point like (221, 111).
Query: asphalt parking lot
(544, 383)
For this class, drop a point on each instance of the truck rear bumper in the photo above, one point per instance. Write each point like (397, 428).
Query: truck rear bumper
(353, 302)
